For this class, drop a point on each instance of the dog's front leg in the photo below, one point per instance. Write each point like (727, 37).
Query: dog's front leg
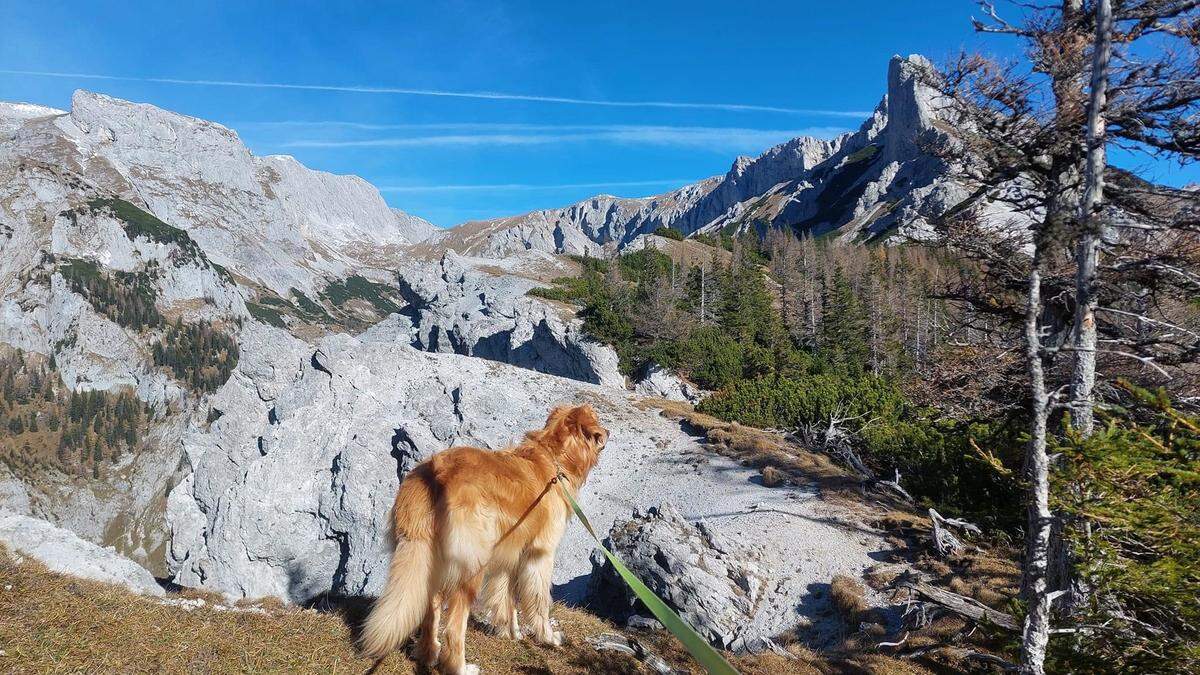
(499, 600)
(533, 587)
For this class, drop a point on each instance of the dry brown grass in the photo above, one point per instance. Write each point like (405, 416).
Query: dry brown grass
(772, 477)
(798, 660)
(755, 447)
(848, 598)
(51, 623)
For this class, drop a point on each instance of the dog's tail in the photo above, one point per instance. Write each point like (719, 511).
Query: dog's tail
(404, 601)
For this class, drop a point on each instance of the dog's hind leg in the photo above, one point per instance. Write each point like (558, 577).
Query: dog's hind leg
(428, 645)
(453, 659)
(533, 586)
(499, 599)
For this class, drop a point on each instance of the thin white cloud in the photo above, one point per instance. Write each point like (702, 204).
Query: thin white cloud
(505, 187)
(486, 95)
(715, 138)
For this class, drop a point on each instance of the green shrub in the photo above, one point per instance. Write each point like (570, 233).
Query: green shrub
(383, 298)
(127, 298)
(267, 315)
(710, 357)
(669, 233)
(1136, 483)
(936, 456)
(786, 402)
(197, 354)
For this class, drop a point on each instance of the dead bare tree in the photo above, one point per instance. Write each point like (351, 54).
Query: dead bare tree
(1034, 136)
(1087, 255)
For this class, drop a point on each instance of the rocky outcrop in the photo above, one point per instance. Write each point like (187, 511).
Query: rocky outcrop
(457, 309)
(658, 382)
(62, 551)
(287, 492)
(342, 421)
(707, 580)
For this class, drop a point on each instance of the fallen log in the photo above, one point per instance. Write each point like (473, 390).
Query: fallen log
(963, 606)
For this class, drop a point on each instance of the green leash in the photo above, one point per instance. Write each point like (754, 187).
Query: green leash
(697, 646)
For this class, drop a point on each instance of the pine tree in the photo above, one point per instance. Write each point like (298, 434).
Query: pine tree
(843, 325)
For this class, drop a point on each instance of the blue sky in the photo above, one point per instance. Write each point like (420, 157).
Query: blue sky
(621, 98)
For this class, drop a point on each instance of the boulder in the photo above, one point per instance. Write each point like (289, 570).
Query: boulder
(715, 586)
(62, 551)
(658, 382)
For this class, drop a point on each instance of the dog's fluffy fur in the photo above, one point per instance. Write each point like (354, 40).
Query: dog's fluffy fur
(450, 520)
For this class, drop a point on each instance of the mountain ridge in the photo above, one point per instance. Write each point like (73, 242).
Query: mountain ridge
(269, 219)
(874, 183)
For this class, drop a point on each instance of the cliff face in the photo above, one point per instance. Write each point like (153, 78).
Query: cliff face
(876, 183)
(120, 222)
(267, 219)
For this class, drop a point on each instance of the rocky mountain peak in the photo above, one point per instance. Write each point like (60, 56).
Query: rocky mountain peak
(911, 103)
(877, 182)
(269, 219)
(12, 115)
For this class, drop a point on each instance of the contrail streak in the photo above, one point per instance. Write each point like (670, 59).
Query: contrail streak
(487, 95)
(528, 186)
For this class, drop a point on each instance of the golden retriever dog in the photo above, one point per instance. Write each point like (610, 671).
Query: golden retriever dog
(466, 516)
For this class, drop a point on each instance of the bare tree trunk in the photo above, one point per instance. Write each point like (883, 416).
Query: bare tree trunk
(1036, 632)
(1087, 254)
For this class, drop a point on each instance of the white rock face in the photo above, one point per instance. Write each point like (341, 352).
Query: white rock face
(658, 382)
(267, 219)
(290, 487)
(62, 551)
(455, 308)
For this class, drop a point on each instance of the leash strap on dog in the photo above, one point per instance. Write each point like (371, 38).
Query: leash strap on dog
(545, 490)
(698, 647)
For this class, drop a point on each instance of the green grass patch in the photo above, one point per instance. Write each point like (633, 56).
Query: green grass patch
(382, 297)
(139, 223)
(309, 309)
(265, 314)
(863, 154)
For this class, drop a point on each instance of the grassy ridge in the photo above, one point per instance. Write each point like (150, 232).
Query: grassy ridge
(54, 623)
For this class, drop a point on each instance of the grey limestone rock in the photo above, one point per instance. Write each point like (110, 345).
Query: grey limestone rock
(62, 551)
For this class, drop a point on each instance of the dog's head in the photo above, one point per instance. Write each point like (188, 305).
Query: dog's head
(576, 437)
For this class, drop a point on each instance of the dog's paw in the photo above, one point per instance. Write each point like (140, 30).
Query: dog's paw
(469, 669)
(553, 639)
(428, 655)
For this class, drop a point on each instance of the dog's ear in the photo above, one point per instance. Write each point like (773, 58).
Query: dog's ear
(586, 424)
(557, 415)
